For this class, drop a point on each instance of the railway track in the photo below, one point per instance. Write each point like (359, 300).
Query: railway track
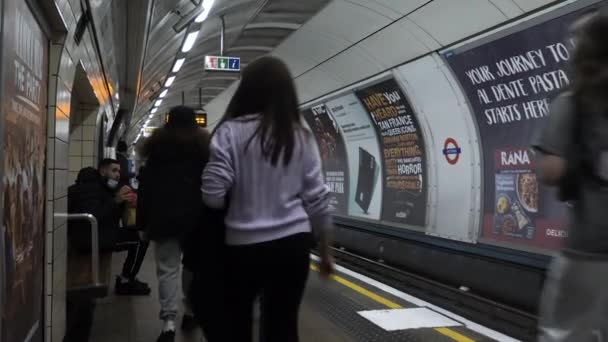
(499, 316)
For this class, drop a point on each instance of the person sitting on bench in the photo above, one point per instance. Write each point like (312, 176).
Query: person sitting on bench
(96, 192)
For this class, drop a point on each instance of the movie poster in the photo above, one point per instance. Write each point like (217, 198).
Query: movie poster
(364, 157)
(510, 82)
(333, 155)
(25, 62)
(404, 157)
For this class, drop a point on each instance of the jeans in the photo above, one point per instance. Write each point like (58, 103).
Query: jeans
(168, 265)
(574, 303)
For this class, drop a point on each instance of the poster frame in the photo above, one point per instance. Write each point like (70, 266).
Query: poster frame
(2, 243)
(423, 228)
(40, 17)
(522, 24)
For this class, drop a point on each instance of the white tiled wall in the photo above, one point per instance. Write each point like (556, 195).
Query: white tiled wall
(71, 145)
(83, 149)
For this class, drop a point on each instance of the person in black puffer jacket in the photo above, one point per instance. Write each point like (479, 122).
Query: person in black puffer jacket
(96, 192)
(170, 204)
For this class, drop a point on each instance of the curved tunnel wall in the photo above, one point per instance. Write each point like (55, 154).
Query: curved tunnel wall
(329, 58)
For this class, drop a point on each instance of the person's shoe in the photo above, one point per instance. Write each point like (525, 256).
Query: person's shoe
(166, 336)
(189, 323)
(132, 287)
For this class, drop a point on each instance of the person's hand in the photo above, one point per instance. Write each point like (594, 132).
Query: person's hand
(122, 194)
(326, 266)
(131, 199)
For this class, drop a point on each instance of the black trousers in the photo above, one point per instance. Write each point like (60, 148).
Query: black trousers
(278, 269)
(128, 240)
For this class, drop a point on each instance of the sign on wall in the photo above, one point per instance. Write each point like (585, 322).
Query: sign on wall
(222, 63)
(510, 82)
(404, 159)
(451, 151)
(25, 61)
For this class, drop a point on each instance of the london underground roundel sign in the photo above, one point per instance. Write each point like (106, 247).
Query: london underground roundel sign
(451, 151)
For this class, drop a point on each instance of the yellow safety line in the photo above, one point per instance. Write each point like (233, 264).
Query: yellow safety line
(390, 304)
(453, 335)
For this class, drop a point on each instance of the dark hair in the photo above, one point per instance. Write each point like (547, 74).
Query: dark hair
(107, 162)
(267, 88)
(182, 117)
(122, 146)
(590, 63)
(181, 138)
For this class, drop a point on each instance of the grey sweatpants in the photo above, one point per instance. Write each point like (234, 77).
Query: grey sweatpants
(168, 266)
(574, 303)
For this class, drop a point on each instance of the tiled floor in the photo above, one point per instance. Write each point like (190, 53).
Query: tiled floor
(132, 319)
(332, 311)
(135, 319)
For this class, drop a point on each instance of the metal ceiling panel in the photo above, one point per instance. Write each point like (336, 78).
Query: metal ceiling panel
(252, 28)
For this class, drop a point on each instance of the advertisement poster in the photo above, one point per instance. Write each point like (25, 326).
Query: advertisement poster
(333, 155)
(364, 158)
(510, 83)
(404, 172)
(25, 57)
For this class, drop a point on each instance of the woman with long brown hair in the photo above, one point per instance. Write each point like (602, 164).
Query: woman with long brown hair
(268, 165)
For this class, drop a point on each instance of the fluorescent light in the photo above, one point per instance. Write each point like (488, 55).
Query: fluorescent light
(190, 40)
(154, 110)
(158, 103)
(169, 81)
(178, 64)
(163, 93)
(207, 4)
(201, 17)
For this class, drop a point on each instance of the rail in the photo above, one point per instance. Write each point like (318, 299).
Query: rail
(94, 241)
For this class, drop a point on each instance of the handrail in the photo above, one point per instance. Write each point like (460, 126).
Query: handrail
(94, 240)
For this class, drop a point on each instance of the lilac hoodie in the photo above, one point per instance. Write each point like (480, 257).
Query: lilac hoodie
(266, 202)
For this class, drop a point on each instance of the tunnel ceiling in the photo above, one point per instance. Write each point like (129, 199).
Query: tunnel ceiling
(252, 28)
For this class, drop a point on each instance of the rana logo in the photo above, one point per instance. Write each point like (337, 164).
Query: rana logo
(451, 151)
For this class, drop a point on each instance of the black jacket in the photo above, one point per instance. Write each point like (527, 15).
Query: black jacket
(90, 195)
(125, 174)
(169, 194)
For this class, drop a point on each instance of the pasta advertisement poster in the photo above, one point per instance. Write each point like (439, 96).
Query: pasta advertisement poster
(510, 81)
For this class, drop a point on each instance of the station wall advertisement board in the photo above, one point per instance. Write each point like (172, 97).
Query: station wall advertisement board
(333, 155)
(510, 81)
(363, 154)
(24, 116)
(403, 152)
(373, 134)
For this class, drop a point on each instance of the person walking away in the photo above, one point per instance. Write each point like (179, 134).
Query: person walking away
(574, 147)
(170, 202)
(268, 165)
